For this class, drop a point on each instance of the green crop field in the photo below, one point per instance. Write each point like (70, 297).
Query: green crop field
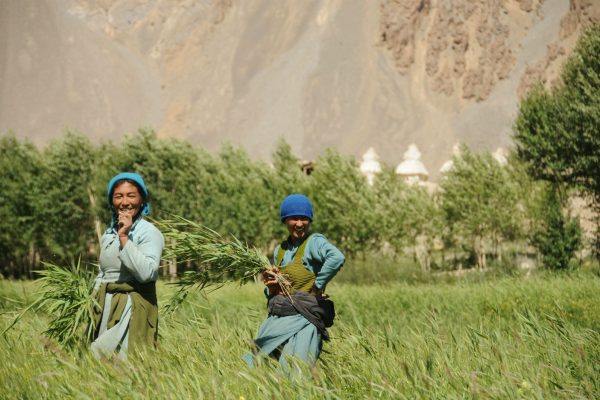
(504, 338)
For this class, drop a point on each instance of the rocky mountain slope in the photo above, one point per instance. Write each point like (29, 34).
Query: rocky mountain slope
(343, 73)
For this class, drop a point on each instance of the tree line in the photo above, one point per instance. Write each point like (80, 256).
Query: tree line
(54, 205)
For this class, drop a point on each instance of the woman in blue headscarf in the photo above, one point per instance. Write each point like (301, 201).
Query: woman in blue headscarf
(296, 321)
(131, 247)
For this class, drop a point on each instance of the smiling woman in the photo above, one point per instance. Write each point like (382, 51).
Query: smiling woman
(127, 201)
(125, 288)
(298, 317)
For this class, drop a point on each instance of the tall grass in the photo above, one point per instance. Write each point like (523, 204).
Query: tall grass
(66, 296)
(506, 338)
(220, 259)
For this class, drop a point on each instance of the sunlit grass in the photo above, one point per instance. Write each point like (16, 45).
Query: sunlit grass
(65, 296)
(506, 338)
(219, 259)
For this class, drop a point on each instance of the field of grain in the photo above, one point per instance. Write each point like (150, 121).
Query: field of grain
(499, 338)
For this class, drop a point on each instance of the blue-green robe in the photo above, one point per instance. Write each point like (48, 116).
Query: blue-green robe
(294, 335)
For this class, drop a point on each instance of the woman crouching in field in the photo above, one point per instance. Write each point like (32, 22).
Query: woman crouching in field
(125, 289)
(298, 314)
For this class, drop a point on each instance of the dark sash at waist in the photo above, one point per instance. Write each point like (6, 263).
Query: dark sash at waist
(146, 290)
(301, 303)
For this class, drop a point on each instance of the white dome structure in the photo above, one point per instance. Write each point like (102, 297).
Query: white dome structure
(412, 169)
(500, 156)
(370, 165)
(447, 166)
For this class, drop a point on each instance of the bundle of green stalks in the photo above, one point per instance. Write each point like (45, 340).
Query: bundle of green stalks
(65, 296)
(220, 259)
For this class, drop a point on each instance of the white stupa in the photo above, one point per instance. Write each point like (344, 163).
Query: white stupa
(370, 165)
(500, 156)
(412, 169)
(447, 166)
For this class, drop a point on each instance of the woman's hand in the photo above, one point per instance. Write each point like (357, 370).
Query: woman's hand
(125, 222)
(269, 276)
(318, 293)
(271, 280)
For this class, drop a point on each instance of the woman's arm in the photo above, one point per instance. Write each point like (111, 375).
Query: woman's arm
(332, 259)
(143, 259)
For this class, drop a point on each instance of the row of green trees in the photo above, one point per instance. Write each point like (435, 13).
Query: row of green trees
(53, 201)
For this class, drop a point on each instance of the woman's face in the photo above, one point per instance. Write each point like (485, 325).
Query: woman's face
(126, 198)
(297, 227)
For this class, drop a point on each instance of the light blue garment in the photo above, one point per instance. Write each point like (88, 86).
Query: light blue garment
(320, 257)
(139, 261)
(115, 339)
(299, 338)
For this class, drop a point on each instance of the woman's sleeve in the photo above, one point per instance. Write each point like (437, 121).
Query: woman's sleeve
(143, 259)
(275, 254)
(98, 280)
(331, 256)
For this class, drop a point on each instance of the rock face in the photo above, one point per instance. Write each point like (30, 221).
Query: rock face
(469, 46)
(581, 14)
(348, 74)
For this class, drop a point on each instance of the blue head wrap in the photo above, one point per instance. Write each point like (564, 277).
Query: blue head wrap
(139, 181)
(296, 205)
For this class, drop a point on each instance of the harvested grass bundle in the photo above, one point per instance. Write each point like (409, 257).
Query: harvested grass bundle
(66, 296)
(221, 260)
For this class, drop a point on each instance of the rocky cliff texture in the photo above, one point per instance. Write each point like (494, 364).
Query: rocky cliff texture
(344, 73)
(469, 46)
(581, 14)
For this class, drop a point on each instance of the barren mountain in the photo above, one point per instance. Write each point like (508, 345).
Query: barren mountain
(342, 73)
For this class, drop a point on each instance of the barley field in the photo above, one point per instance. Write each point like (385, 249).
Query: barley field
(497, 338)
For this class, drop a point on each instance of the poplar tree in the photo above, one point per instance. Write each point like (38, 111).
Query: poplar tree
(19, 164)
(424, 222)
(63, 211)
(556, 235)
(480, 203)
(344, 204)
(241, 198)
(391, 209)
(557, 130)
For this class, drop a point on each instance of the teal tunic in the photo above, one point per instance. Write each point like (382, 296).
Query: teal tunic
(294, 335)
(320, 257)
